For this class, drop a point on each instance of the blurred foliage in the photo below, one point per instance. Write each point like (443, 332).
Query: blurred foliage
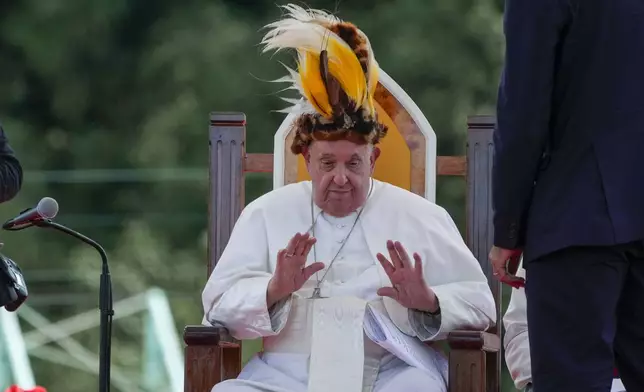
(97, 97)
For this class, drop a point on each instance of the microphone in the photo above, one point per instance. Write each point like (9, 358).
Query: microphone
(41, 216)
(47, 208)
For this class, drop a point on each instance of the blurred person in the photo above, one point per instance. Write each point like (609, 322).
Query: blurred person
(516, 343)
(10, 170)
(568, 186)
(304, 261)
(10, 184)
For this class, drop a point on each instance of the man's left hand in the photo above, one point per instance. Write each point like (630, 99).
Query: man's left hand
(409, 287)
(505, 263)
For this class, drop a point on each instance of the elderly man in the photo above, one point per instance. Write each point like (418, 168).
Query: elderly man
(517, 345)
(306, 261)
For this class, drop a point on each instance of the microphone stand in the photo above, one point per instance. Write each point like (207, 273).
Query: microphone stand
(105, 303)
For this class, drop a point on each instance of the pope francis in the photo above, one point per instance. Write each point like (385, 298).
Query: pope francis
(305, 261)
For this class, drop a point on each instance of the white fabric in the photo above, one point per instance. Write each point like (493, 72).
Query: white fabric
(337, 323)
(235, 295)
(515, 339)
(516, 343)
(618, 386)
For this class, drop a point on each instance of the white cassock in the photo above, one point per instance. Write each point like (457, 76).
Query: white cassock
(319, 345)
(515, 340)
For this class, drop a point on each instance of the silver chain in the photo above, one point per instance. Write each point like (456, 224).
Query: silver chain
(316, 290)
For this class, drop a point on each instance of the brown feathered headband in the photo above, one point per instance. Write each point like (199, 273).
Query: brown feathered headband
(337, 77)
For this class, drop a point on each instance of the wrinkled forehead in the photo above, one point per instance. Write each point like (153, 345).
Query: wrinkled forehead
(339, 150)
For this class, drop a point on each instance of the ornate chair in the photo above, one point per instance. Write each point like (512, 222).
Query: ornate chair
(409, 154)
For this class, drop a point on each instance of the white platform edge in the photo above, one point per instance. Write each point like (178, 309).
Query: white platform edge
(416, 115)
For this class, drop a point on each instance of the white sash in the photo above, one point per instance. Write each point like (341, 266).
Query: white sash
(337, 345)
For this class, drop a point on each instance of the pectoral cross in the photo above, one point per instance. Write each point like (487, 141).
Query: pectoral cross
(316, 293)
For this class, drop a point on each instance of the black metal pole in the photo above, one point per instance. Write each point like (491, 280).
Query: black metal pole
(105, 304)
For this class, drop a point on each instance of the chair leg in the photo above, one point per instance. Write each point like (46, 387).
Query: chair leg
(230, 362)
(202, 368)
(467, 371)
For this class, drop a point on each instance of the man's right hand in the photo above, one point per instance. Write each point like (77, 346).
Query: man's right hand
(291, 271)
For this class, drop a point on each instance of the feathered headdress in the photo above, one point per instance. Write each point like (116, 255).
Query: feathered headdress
(337, 75)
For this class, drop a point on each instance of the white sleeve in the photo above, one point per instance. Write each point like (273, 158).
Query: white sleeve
(464, 294)
(456, 277)
(235, 294)
(515, 340)
(424, 325)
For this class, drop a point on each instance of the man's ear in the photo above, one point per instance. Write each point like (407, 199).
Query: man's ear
(375, 153)
(306, 153)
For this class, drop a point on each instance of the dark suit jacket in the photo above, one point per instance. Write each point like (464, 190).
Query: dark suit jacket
(569, 142)
(10, 170)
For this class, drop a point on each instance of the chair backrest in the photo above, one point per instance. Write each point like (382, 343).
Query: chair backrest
(408, 153)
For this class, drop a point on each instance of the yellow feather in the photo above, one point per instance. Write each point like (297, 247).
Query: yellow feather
(373, 83)
(312, 84)
(345, 67)
(310, 31)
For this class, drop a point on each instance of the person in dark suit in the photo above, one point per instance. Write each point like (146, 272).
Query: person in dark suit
(568, 186)
(10, 170)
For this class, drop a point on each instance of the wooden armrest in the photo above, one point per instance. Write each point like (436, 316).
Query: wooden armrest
(201, 335)
(473, 361)
(211, 356)
(474, 340)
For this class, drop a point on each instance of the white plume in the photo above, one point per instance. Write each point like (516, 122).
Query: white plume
(299, 29)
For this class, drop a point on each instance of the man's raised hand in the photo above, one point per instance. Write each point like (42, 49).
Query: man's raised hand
(408, 284)
(291, 271)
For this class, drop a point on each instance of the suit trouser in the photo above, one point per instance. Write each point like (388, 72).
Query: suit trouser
(585, 310)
